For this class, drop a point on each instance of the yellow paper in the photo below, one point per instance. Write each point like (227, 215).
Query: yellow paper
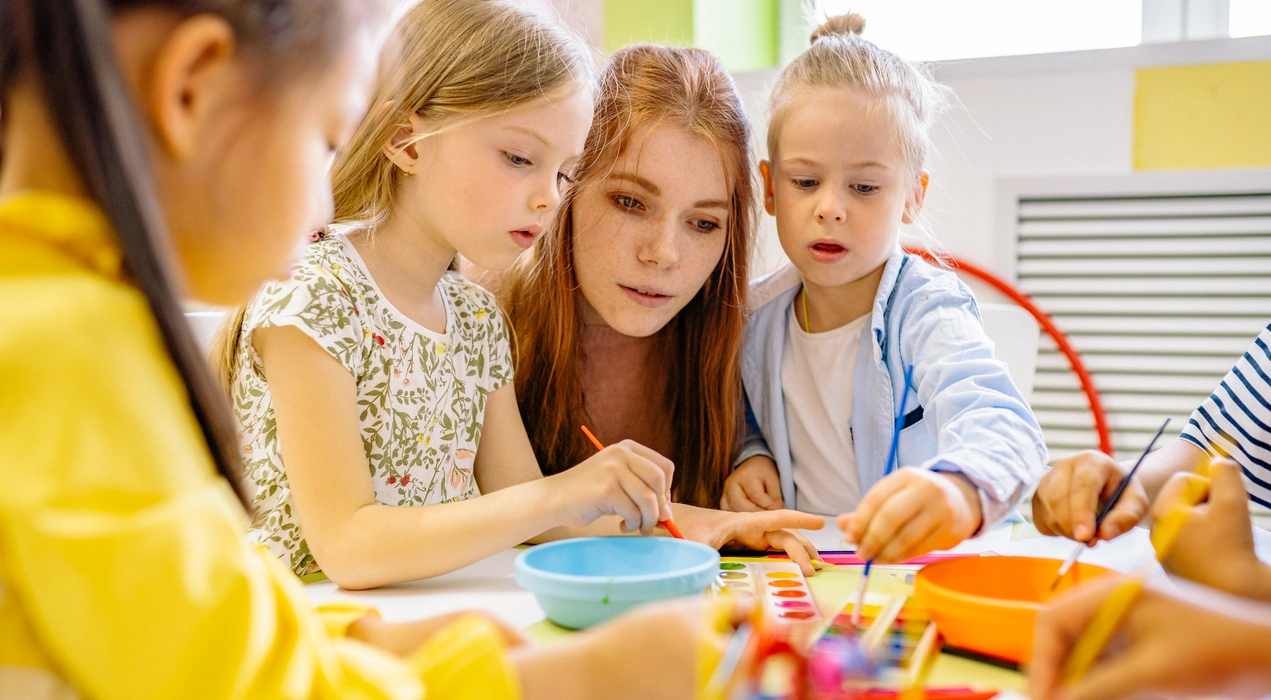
(1203, 116)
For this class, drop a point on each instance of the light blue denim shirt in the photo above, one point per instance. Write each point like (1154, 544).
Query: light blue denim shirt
(966, 414)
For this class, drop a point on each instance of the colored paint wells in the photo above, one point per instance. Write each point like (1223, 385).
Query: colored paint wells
(785, 593)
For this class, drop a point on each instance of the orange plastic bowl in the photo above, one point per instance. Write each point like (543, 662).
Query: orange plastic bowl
(990, 604)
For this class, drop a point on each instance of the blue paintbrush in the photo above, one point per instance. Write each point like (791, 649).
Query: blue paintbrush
(892, 457)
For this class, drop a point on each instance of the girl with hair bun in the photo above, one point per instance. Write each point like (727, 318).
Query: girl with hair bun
(833, 334)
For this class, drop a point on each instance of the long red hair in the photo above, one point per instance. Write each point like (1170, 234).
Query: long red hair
(640, 86)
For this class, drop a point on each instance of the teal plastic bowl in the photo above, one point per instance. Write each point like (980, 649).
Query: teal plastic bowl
(585, 581)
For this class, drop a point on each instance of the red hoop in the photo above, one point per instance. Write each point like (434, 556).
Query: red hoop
(1061, 340)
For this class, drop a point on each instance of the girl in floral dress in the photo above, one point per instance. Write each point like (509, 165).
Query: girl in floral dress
(376, 378)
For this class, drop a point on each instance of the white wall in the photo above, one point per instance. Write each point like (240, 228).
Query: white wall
(1049, 114)
(1053, 114)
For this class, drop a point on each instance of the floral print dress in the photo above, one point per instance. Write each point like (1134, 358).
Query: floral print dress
(421, 395)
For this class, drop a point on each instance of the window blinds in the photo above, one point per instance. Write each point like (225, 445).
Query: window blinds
(1161, 282)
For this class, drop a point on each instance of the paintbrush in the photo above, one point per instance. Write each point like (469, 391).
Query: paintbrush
(1107, 507)
(892, 457)
(668, 523)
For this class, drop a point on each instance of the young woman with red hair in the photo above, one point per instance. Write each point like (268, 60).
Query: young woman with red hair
(628, 315)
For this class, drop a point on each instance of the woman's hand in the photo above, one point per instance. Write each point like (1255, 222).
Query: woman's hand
(1068, 497)
(753, 486)
(912, 512)
(771, 529)
(1215, 544)
(1207, 644)
(626, 479)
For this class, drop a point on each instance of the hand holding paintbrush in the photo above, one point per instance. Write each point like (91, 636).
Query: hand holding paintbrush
(1108, 505)
(668, 524)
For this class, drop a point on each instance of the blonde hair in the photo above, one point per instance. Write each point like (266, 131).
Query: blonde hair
(448, 61)
(456, 60)
(840, 58)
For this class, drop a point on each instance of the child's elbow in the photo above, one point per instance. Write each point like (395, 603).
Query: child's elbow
(350, 577)
(342, 569)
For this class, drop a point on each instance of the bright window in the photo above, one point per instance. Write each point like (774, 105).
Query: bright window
(1249, 17)
(934, 30)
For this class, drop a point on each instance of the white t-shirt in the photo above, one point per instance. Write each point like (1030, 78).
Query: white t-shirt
(817, 372)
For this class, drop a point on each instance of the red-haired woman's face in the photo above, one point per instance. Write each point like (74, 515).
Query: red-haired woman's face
(649, 233)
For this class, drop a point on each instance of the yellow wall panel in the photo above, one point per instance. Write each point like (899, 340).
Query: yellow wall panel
(1205, 116)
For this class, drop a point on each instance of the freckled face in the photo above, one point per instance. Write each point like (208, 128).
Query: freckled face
(649, 233)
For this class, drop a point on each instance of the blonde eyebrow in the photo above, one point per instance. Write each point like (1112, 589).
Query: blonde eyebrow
(809, 161)
(528, 132)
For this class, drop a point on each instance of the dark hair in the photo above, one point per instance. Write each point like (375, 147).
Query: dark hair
(66, 47)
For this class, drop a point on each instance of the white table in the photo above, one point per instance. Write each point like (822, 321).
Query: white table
(490, 584)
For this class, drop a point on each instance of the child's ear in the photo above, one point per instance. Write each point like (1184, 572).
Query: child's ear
(769, 199)
(191, 76)
(914, 206)
(401, 146)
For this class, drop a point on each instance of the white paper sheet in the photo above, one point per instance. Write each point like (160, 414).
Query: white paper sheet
(488, 585)
(830, 539)
(1130, 553)
(1262, 544)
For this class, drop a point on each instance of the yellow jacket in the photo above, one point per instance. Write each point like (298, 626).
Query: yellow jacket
(123, 568)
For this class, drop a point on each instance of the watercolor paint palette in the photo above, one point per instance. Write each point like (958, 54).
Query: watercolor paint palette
(780, 586)
(900, 645)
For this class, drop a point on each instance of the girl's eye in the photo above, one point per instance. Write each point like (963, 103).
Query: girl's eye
(562, 177)
(517, 161)
(865, 189)
(625, 202)
(703, 225)
(804, 183)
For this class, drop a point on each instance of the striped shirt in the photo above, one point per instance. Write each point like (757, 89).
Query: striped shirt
(1235, 421)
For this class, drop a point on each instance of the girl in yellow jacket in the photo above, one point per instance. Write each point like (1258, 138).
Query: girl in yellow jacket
(152, 148)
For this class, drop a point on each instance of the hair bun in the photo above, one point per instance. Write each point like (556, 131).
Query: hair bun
(841, 26)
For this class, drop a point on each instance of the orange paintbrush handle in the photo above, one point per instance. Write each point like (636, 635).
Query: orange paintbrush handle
(668, 524)
(592, 437)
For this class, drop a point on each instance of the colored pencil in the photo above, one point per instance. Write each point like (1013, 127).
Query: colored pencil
(668, 523)
(1102, 626)
(1107, 507)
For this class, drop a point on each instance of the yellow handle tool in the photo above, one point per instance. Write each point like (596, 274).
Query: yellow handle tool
(1112, 613)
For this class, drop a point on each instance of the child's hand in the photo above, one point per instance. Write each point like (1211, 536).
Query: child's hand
(1167, 646)
(650, 652)
(753, 486)
(770, 529)
(912, 512)
(404, 638)
(1215, 545)
(626, 479)
(1069, 496)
